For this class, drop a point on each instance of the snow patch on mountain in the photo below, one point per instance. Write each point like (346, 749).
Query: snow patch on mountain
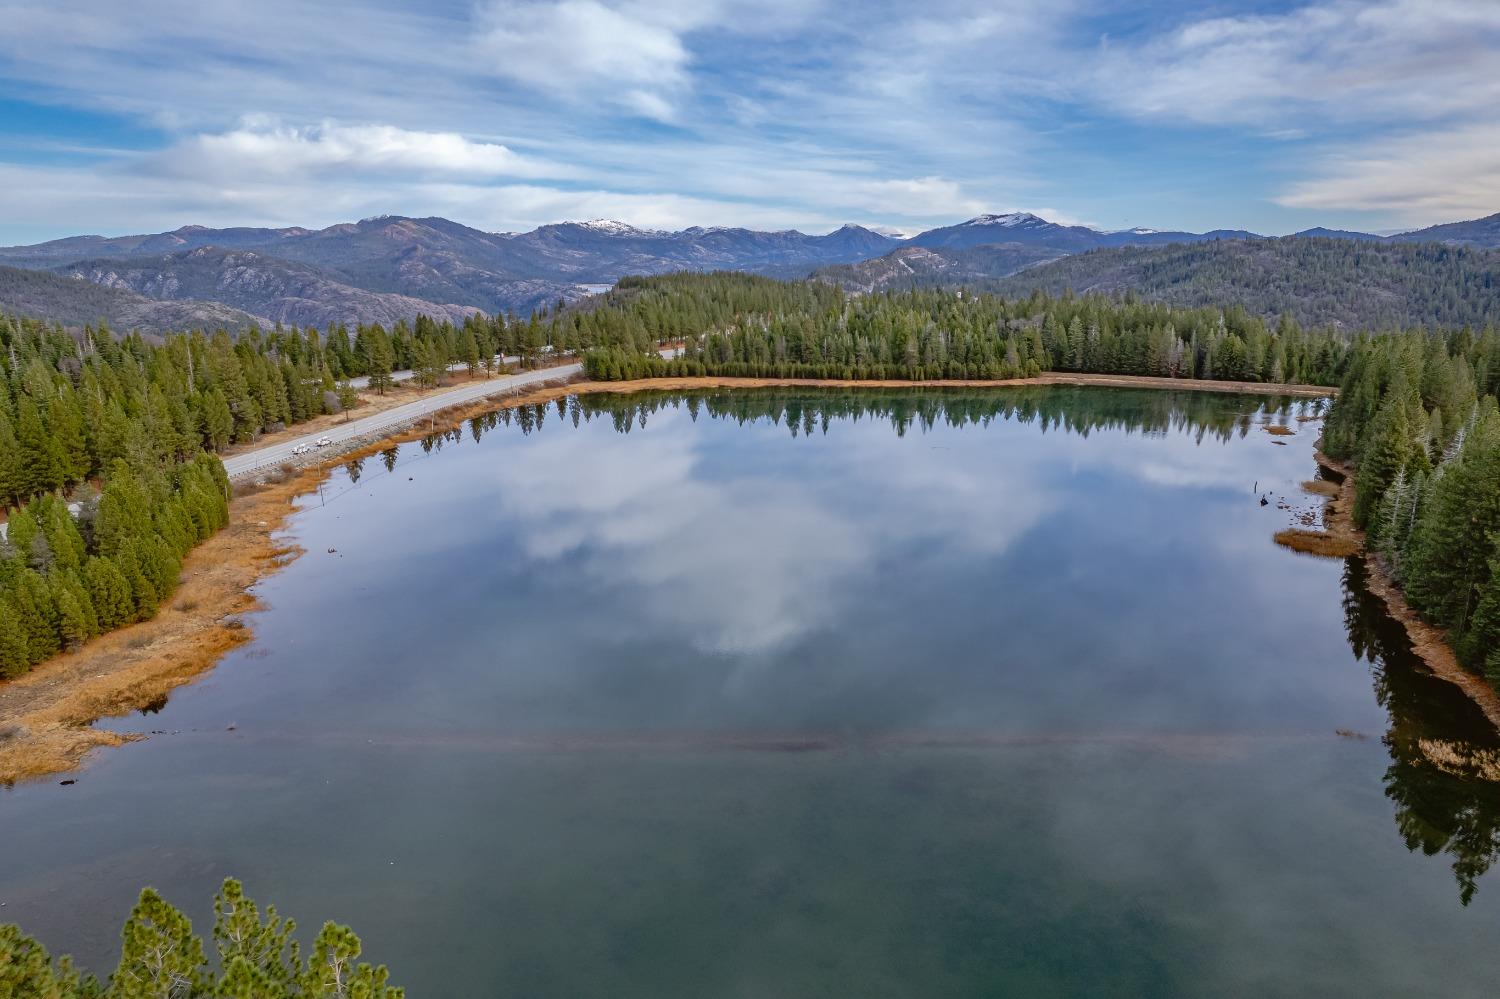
(614, 228)
(1009, 220)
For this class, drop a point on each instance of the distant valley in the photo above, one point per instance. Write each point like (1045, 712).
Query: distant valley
(392, 268)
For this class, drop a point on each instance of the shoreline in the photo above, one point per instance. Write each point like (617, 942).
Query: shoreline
(47, 716)
(1428, 642)
(679, 383)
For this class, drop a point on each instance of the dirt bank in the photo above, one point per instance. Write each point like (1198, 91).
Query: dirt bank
(46, 716)
(1340, 538)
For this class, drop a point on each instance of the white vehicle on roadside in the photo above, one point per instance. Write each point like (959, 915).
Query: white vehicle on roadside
(323, 442)
(301, 449)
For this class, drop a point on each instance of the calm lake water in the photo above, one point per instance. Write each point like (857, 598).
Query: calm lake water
(762, 694)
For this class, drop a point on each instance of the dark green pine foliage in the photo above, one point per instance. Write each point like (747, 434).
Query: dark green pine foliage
(1484, 630)
(1418, 415)
(740, 325)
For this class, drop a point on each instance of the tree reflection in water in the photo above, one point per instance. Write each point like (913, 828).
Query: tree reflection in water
(1443, 750)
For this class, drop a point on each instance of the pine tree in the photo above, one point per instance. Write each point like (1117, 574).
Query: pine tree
(36, 614)
(1451, 547)
(110, 592)
(160, 958)
(378, 359)
(15, 652)
(27, 972)
(468, 351)
(1483, 636)
(13, 484)
(73, 623)
(124, 511)
(40, 463)
(265, 951)
(332, 973)
(1390, 448)
(348, 398)
(216, 420)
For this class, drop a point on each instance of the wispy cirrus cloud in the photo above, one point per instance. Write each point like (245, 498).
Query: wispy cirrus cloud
(1343, 60)
(774, 113)
(1421, 177)
(585, 49)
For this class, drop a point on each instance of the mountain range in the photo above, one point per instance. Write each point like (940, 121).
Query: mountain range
(393, 267)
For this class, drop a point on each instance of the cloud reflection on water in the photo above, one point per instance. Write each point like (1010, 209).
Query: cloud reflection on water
(749, 563)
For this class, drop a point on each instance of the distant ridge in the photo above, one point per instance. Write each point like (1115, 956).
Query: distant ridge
(75, 303)
(392, 266)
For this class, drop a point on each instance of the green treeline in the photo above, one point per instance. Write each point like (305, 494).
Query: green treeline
(105, 441)
(255, 957)
(758, 327)
(1418, 415)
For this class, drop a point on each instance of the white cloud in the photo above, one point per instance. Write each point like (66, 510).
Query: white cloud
(1418, 178)
(263, 146)
(633, 55)
(1341, 61)
(917, 196)
(587, 49)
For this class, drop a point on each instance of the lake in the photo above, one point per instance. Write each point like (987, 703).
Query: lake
(794, 693)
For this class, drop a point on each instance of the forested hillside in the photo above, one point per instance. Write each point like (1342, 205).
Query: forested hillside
(1418, 415)
(756, 327)
(915, 267)
(1315, 282)
(282, 291)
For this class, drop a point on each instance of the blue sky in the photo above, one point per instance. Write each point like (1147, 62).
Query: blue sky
(506, 114)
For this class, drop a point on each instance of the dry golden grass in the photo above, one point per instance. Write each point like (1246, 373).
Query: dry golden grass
(1321, 487)
(1317, 543)
(1277, 430)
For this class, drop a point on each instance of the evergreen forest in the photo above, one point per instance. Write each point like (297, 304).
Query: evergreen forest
(756, 327)
(1417, 414)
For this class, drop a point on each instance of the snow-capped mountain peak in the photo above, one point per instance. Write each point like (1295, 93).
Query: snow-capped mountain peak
(612, 227)
(1009, 220)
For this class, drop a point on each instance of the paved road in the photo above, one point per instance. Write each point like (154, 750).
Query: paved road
(250, 461)
(363, 381)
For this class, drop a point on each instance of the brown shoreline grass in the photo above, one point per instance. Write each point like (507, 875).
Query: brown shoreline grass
(47, 716)
(1316, 543)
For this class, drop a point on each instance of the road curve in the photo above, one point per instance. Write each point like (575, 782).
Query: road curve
(244, 464)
